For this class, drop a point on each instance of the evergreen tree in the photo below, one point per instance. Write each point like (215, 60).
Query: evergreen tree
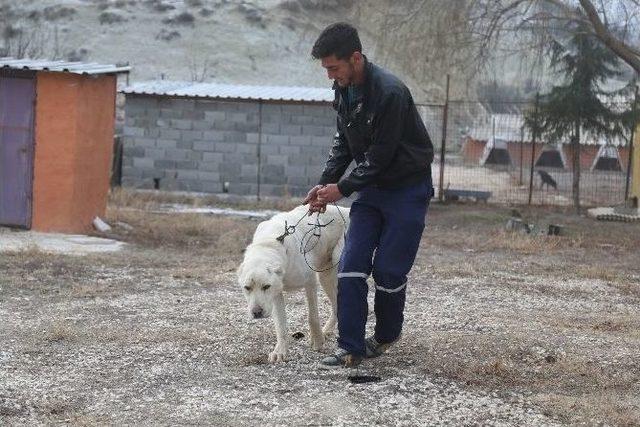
(579, 104)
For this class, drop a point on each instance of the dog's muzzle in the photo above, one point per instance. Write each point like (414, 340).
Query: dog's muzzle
(257, 313)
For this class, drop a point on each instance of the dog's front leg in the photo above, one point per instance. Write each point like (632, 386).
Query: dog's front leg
(279, 353)
(317, 337)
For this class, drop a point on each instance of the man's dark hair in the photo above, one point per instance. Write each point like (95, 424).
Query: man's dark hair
(340, 39)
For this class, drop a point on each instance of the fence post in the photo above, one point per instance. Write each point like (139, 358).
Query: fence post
(520, 181)
(635, 123)
(533, 145)
(445, 113)
(259, 148)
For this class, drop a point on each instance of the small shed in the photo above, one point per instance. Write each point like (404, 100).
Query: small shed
(56, 140)
(215, 138)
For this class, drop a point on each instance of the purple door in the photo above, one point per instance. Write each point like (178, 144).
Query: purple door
(16, 150)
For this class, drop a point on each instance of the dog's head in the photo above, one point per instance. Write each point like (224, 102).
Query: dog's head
(260, 284)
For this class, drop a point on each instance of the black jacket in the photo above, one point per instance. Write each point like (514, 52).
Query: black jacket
(384, 134)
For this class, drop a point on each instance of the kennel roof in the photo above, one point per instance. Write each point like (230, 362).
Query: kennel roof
(61, 66)
(508, 128)
(228, 92)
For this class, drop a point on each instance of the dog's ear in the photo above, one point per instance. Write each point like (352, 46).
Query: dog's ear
(274, 270)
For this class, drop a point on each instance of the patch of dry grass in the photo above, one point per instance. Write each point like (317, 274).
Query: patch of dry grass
(527, 243)
(186, 231)
(598, 272)
(457, 270)
(148, 199)
(87, 290)
(128, 335)
(564, 385)
(631, 288)
(86, 420)
(60, 330)
(614, 407)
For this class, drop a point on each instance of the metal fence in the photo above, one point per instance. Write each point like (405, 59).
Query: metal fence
(485, 150)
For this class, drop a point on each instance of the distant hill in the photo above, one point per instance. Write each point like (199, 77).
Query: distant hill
(264, 42)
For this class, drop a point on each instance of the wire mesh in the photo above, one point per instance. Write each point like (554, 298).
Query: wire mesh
(489, 148)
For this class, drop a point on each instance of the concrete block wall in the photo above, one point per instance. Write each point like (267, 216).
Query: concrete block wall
(198, 145)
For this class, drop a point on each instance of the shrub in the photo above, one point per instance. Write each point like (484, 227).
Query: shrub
(167, 35)
(109, 18)
(184, 18)
(53, 13)
(77, 55)
(206, 12)
(291, 6)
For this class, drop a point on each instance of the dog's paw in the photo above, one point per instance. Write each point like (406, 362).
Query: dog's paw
(278, 355)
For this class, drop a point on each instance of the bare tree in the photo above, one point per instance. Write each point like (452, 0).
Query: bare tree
(426, 39)
(198, 70)
(615, 22)
(23, 36)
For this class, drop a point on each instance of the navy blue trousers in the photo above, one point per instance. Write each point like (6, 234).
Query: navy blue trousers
(383, 238)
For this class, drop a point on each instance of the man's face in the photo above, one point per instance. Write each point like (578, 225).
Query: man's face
(340, 70)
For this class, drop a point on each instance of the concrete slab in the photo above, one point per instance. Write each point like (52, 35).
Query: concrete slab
(70, 244)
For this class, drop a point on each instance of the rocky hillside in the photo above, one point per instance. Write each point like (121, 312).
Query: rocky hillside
(238, 41)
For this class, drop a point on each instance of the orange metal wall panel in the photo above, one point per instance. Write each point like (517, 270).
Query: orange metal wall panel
(94, 133)
(472, 150)
(74, 139)
(55, 133)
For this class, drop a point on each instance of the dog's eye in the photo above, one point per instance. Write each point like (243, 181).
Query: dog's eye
(247, 288)
(265, 287)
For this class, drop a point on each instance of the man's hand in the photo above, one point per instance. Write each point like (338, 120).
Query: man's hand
(312, 200)
(320, 195)
(329, 194)
(312, 195)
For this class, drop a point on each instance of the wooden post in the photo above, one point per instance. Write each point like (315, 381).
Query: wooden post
(445, 115)
(259, 149)
(520, 181)
(533, 146)
(635, 167)
(633, 152)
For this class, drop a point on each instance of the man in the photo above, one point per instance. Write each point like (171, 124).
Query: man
(378, 127)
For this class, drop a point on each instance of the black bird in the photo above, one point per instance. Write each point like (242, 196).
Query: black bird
(545, 178)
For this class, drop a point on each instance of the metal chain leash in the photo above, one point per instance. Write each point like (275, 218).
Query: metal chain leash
(313, 234)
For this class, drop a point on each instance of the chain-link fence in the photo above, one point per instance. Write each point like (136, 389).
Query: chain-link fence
(489, 152)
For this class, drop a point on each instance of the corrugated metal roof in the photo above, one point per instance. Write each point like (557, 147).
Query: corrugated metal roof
(61, 66)
(225, 91)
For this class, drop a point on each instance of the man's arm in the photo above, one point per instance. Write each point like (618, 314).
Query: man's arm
(338, 161)
(339, 158)
(386, 138)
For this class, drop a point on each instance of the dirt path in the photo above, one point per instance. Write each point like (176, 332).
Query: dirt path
(499, 331)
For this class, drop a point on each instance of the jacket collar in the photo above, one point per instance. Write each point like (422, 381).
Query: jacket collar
(368, 67)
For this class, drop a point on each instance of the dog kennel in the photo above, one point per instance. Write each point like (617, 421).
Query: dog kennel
(552, 156)
(496, 153)
(56, 139)
(607, 159)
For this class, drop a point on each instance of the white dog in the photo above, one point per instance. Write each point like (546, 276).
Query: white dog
(271, 266)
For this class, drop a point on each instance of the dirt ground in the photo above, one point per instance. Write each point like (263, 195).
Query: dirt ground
(597, 188)
(501, 329)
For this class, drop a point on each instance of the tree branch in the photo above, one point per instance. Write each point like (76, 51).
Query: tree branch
(626, 52)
